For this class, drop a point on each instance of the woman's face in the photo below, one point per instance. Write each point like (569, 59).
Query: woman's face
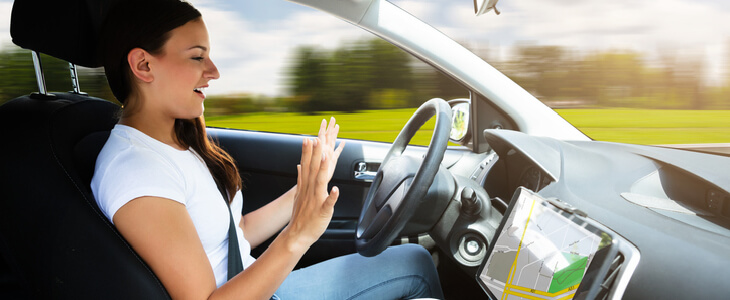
(182, 70)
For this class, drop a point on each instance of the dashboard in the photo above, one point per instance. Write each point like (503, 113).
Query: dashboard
(668, 210)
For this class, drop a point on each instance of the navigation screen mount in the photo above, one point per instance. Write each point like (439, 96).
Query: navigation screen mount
(546, 249)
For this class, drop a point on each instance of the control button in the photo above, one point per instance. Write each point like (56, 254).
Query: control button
(473, 247)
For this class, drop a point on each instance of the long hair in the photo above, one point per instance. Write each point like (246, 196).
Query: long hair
(147, 24)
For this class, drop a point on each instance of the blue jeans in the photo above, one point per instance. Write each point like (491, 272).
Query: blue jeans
(400, 272)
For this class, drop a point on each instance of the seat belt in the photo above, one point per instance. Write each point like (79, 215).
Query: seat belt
(235, 264)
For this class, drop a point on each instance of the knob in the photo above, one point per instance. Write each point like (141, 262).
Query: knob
(470, 203)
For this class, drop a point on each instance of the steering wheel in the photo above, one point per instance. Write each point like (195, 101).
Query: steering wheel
(401, 183)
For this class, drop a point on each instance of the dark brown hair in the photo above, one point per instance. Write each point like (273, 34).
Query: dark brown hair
(147, 24)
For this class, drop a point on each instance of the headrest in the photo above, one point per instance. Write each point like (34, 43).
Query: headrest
(65, 29)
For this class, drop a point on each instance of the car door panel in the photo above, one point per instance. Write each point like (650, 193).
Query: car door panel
(267, 162)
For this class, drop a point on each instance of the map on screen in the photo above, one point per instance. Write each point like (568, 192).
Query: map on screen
(541, 252)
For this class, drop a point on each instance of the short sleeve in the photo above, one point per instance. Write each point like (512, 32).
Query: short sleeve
(132, 173)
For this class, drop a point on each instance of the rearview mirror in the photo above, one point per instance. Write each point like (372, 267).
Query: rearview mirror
(484, 6)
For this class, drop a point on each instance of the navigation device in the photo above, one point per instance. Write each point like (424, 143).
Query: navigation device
(544, 249)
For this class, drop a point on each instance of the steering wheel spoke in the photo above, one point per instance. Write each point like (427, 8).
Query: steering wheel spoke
(392, 177)
(374, 224)
(397, 196)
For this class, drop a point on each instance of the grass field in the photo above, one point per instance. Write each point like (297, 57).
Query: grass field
(638, 126)
(652, 126)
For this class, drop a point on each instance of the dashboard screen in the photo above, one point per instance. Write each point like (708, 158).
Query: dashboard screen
(543, 251)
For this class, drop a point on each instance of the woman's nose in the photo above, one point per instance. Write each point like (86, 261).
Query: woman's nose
(211, 71)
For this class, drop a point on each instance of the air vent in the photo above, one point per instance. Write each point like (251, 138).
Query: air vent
(613, 274)
(620, 271)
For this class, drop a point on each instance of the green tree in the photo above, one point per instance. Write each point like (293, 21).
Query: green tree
(93, 82)
(350, 77)
(349, 74)
(541, 69)
(613, 78)
(307, 79)
(392, 70)
(18, 76)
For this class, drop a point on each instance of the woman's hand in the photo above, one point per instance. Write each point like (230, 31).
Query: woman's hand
(330, 135)
(313, 205)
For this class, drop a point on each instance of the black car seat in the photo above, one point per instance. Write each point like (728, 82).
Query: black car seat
(54, 241)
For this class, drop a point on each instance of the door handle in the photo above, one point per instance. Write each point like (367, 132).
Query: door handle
(365, 171)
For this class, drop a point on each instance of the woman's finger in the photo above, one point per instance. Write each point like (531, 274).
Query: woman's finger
(333, 158)
(323, 177)
(299, 178)
(315, 162)
(331, 133)
(331, 124)
(332, 198)
(339, 149)
(322, 129)
(306, 159)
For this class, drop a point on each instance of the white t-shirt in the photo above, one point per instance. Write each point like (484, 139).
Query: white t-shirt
(133, 164)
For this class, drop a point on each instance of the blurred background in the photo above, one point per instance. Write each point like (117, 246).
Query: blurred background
(654, 72)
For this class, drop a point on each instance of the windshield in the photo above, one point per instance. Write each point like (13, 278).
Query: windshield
(648, 72)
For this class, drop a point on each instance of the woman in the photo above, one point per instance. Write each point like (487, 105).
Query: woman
(156, 180)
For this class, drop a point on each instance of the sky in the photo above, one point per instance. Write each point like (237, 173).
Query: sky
(252, 40)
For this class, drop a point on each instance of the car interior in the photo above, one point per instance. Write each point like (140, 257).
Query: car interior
(54, 240)
(661, 209)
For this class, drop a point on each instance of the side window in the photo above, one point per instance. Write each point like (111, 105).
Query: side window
(370, 86)
(18, 76)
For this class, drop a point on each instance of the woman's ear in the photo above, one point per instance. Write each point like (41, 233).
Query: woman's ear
(138, 60)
